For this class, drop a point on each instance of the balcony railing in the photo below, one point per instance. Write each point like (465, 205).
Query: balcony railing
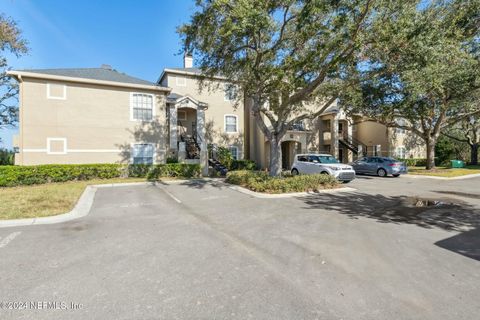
(297, 126)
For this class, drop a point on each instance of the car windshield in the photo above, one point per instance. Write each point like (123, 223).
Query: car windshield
(326, 159)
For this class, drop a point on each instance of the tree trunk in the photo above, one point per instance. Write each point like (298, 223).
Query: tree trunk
(474, 154)
(275, 156)
(430, 153)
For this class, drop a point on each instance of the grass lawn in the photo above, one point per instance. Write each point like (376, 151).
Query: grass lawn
(444, 171)
(45, 199)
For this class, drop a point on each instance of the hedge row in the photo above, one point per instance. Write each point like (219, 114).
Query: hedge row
(243, 165)
(11, 176)
(262, 182)
(414, 162)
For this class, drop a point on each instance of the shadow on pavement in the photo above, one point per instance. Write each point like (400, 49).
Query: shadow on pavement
(202, 183)
(443, 213)
(465, 243)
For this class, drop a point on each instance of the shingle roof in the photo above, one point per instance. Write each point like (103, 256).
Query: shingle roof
(103, 74)
(172, 97)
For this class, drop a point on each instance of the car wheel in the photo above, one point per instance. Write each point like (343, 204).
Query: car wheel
(381, 172)
(347, 181)
(324, 172)
(294, 172)
(396, 175)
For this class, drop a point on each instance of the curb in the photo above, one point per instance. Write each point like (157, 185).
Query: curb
(419, 176)
(81, 209)
(288, 195)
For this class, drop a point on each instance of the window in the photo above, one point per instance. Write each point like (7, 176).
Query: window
(400, 122)
(56, 145)
(230, 92)
(400, 152)
(142, 153)
(181, 81)
(141, 107)
(231, 124)
(234, 152)
(182, 115)
(56, 91)
(302, 158)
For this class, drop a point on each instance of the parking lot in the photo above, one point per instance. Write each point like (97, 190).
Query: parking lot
(200, 250)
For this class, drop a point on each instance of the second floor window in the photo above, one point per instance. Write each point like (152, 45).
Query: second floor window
(230, 92)
(401, 122)
(142, 107)
(231, 123)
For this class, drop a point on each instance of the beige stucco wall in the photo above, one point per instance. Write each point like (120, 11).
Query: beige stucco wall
(414, 146)
(94, 120)
(218, 107)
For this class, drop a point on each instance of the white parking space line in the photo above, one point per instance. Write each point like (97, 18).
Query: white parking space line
(170, 195)
(5, 241)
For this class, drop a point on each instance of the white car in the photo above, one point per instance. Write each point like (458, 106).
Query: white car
(323, 164)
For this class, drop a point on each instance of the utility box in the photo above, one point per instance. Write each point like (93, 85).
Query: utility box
(457, 163)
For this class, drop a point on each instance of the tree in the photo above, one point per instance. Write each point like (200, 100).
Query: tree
(420, 67)
(11, 41)
(467, 131)
(287, 56)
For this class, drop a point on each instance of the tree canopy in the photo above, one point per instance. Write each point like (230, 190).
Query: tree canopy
(422, 65)
(283, 54)
(11, 41)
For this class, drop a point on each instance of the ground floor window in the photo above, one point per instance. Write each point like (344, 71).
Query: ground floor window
(142, 153)
(400, 152)
(234, 152)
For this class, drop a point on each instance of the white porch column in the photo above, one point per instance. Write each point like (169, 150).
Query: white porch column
(334, 140)
(201, 140)
(173, 128)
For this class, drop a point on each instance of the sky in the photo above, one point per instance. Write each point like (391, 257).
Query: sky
(137, 37)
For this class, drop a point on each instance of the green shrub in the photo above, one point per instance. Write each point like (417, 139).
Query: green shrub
(415, 162)
(26, 175)
(172, 160)
(262, 182)
(7, 157)
(225, 157)
(243, 165)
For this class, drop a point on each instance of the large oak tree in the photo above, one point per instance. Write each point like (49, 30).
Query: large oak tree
(420, 68)
(283, 54)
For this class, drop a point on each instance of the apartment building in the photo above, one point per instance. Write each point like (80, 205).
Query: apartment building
(100, 115)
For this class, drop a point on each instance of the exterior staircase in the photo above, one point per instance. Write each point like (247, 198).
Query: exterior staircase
(353, 144)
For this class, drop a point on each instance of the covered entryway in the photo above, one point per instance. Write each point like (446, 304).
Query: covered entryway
(289, 150)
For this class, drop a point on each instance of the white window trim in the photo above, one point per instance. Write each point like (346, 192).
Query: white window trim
(49, 145)
(49, 95)
(153, 107)
(225, 123)
(236, 148)
(178, 115)
(181, 84)
(154, 151)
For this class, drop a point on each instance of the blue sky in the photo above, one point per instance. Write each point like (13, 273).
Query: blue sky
(135, 37)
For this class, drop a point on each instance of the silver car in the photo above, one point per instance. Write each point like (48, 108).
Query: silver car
(381, 166)
(322, 164)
